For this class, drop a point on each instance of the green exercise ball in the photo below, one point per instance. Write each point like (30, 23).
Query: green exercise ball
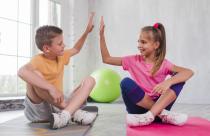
(107, 88)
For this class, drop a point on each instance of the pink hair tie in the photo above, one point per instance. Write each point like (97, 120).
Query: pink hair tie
(156, 25)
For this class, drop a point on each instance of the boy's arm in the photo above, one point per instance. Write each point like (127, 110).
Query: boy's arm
(104, 51)
(79, 44)
(27, 73)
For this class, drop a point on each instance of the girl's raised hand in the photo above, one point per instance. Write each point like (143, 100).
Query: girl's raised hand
(102, 26)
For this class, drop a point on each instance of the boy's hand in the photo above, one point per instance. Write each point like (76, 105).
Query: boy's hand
(102, 26)
(162, 87)
(90, 25)
(56, 95)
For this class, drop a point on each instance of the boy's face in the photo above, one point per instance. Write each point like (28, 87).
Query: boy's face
(57, 46)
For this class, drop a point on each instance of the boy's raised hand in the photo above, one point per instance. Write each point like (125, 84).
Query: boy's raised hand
(90, 25)
(102, 26)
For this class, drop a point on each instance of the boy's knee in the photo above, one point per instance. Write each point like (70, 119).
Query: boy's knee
(90, 81)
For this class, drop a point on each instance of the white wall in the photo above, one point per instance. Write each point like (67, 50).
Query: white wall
(187, 30)
(74, 22)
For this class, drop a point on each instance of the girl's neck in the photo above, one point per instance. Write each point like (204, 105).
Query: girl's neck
(149, 59)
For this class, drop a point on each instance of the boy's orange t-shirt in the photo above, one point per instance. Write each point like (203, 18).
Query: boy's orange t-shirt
(52, 70)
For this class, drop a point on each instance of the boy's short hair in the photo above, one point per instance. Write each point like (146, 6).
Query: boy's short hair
(45, 34)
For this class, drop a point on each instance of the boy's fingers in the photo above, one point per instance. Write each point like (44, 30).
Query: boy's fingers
(92, 15)
(102, 20)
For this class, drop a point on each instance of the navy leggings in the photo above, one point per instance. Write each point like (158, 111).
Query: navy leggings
(132, 94)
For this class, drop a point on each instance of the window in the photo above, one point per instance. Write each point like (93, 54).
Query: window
(15, 44)
(17, 23)
(49, 12)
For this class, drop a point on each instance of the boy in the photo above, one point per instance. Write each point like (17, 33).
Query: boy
(44, 77)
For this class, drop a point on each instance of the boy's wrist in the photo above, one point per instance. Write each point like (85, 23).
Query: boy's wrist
(101, 34)
(85, 33)
(50, 88)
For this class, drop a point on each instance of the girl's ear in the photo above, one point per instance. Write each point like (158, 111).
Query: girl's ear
(157, 45)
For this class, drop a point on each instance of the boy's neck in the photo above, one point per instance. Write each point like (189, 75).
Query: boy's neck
(50, 57)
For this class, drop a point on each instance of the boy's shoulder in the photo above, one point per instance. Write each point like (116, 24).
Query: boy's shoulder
(37, 57)
(38, 60)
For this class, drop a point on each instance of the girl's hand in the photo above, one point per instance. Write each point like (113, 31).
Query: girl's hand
(90, 25)
(102, 26)
(162, 87)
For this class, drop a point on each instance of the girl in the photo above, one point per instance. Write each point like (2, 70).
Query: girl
(148, 95)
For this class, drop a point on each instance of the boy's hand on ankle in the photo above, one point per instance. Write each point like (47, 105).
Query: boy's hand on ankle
(90, 25)
(56, 95)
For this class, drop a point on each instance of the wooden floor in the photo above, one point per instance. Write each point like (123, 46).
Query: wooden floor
(111, 119)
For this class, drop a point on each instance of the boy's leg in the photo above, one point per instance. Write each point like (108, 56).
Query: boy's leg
(38, 95)
(79, 96)
(37, 107)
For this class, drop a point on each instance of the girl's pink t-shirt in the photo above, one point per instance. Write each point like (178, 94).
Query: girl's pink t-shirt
(140, 72)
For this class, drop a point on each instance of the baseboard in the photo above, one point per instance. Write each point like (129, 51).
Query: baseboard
(11, 104)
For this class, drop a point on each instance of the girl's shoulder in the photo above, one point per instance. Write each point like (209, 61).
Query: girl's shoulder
(166, 61)
(135, 57)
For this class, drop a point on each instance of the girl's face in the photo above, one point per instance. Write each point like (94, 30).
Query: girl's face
(146, 44)
(57, 47)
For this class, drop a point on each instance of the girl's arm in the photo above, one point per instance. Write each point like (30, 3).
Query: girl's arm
(79, 44)
(104, 51)
(183, 74)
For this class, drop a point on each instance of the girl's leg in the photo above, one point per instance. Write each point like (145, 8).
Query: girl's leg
(167, 99)
(133, 94)
(137, 102)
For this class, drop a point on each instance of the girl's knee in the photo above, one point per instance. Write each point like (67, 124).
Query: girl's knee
(125, 81)
(177, 88)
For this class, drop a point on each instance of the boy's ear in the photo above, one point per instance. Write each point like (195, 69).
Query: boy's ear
(45, 48)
